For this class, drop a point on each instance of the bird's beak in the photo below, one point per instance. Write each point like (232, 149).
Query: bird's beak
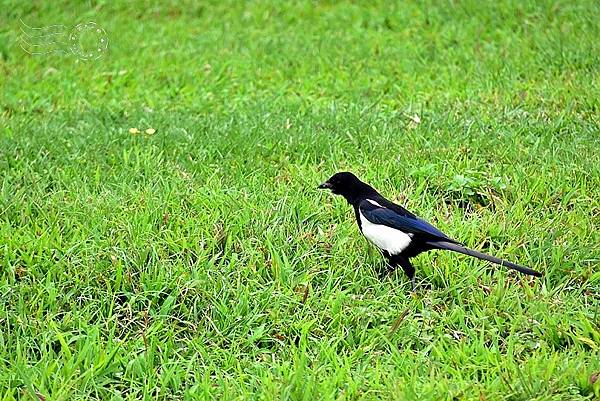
(325, 185)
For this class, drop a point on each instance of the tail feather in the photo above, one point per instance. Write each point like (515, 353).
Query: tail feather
(466, 251)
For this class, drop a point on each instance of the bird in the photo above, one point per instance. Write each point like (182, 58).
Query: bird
(399, 234)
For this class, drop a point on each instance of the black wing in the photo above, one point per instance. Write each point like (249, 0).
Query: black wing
(405, 223)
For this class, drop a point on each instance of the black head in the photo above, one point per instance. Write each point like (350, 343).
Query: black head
(349, 186)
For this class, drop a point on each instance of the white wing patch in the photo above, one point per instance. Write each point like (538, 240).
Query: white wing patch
(385, 238)
(374, 203)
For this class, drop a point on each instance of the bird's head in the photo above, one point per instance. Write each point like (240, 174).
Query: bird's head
(347, 185)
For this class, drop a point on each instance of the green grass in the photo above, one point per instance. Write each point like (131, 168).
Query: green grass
(200, 262)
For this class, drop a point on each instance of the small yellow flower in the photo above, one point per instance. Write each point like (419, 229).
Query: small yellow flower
(150, 131)
(134, 131)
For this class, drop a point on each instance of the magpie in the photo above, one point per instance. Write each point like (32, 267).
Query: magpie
(399, 234)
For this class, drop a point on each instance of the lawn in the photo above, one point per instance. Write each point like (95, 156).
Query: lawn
(199, 261)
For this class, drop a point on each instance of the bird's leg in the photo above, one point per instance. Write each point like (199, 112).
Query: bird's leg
(389, 267)
(408, 269)
(387, 270)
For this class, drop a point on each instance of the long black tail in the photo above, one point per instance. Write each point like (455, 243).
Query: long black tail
(466, 251)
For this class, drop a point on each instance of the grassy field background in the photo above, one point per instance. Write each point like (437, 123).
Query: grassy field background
(200, 261)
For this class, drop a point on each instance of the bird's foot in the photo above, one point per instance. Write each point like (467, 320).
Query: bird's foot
(385, 272)
(414, 285)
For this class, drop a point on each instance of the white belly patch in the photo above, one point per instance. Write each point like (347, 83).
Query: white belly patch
(385, 238)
